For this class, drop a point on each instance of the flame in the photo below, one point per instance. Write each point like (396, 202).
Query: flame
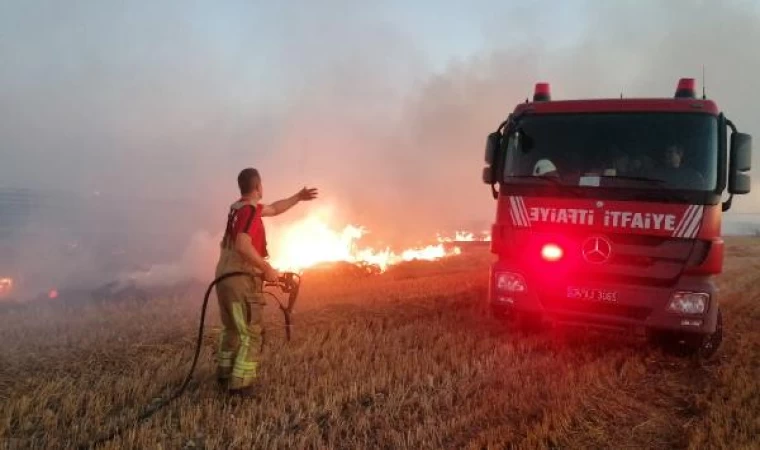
(6, 286)
(311, 241)
(466, 236)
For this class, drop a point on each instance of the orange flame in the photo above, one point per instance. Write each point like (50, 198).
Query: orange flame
(466, 236)
(311, 241)
(6, 286)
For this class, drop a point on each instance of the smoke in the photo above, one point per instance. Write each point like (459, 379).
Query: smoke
(194, 264)
(158, 108)
(415, 168)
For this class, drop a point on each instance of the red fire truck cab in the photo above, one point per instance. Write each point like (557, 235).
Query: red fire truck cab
(609, 213)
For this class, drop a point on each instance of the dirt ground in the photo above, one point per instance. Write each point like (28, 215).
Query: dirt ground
(407, 359)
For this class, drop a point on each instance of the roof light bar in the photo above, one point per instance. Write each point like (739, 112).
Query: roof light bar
(542, 93)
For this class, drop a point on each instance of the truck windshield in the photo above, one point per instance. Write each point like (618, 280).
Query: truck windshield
(627, 150)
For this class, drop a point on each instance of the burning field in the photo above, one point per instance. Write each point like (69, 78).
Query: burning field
(313, 244)
(312, 241)
(408, 358)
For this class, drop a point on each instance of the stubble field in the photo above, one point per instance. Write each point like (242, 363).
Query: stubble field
(409, 359)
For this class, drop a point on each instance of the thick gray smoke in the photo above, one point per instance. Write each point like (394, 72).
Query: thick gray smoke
(157, 109)
(417, 165)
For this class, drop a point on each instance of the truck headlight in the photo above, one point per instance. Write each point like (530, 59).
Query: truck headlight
(689, 302)
(510, 282)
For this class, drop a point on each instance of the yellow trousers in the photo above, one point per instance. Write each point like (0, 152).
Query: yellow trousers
(241, 304)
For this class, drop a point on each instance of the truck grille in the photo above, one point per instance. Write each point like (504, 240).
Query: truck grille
(638, 259)
(635, 259)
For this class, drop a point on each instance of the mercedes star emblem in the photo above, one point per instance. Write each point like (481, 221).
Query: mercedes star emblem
(596, 250)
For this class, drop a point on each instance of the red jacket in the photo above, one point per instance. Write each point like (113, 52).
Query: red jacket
(245, 217)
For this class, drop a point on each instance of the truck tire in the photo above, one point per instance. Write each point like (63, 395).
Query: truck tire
(709, 344)
(530, 323)
(522, 322)
(501, 313)
(690, 344)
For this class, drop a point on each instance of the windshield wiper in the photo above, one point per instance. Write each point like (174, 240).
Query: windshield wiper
(575, 190)
(661, 195)
(554, 180)
(635, 178)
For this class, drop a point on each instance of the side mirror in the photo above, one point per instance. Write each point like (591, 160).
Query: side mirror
(740, 162)
(488, 175)
(493, 145)
(740, 184)
(493, 142)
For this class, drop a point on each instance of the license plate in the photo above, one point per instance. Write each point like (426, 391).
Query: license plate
(592, 294)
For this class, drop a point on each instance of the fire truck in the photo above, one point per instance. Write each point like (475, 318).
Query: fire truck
(609, 213)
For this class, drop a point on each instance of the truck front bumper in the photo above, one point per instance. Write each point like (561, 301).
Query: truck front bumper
(597, 304)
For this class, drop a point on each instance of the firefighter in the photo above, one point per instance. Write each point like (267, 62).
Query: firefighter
(676, 173)
(240, 298)
(673, 156)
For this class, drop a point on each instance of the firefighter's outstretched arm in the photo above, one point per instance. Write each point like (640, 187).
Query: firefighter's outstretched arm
(285, 204)
(244, 246)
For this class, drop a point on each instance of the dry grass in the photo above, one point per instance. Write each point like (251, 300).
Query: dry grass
(406, 360)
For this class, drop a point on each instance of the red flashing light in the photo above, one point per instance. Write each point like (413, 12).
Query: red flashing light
(542, 92)
(686, 88)
(551, 252)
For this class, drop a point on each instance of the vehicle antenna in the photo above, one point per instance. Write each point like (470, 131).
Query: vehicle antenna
(704, 95)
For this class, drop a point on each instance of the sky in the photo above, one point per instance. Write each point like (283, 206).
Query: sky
(92, 88)
(384, 106)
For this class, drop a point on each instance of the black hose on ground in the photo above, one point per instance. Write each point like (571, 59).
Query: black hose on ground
(289, 282)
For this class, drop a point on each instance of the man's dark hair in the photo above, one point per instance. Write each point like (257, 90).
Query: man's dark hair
(248, 180)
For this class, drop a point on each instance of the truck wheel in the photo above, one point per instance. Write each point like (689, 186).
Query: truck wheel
(501, 313)
(709, 343)
(523, 322)
(530, 323)
(690, 344)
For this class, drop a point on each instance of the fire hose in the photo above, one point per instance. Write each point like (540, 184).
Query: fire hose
(288, 283)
